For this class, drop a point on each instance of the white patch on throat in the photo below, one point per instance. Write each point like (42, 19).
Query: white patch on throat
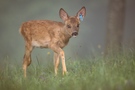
(74, 36)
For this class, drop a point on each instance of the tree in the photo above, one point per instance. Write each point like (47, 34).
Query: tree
(115, 27)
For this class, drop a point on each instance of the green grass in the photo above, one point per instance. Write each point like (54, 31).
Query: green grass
(112, 73)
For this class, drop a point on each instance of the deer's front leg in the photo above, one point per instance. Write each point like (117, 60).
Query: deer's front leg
(56, 62)
(59, 53)
(62, 55)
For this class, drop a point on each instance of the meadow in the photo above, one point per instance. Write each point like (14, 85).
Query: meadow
(116, 72)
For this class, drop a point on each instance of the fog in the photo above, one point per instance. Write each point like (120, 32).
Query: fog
(92, 32)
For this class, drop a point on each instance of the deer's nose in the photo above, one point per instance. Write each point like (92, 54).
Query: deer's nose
(74, 34)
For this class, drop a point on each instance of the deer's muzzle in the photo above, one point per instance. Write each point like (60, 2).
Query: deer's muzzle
(74, 34)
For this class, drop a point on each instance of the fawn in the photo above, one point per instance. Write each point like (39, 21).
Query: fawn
(51, 34)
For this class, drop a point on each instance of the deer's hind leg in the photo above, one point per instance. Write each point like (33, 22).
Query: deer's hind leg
(27, 57)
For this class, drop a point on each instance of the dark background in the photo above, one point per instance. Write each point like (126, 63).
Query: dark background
(92, 33)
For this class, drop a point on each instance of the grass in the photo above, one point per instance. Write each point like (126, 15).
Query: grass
(112, 73)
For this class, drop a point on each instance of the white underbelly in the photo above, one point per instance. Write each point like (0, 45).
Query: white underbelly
(40, 43)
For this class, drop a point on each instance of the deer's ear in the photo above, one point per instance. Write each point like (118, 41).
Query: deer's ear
(63, 14)
(81, 13)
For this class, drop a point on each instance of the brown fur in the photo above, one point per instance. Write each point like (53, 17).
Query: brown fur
(50, 34)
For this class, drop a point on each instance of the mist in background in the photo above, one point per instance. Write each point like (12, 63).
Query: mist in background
(92, 33)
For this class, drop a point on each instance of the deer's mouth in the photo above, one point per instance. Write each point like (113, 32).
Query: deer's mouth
(74, 34)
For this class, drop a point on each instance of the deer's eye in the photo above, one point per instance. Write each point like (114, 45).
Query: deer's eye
(68, 26)
(77, 25)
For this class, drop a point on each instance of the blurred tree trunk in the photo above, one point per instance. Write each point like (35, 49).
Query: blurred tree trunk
(115, 27)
